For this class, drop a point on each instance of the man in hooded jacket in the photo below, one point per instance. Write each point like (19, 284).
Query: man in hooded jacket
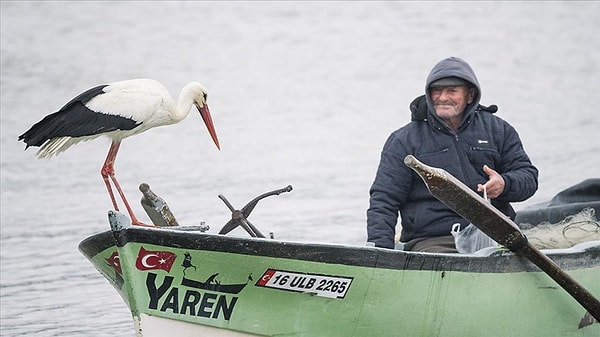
(449, 130)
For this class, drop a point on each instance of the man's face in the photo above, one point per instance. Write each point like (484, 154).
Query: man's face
(450, 102)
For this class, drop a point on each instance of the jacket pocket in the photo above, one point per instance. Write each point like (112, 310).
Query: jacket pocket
(436, 158)
(480, 155)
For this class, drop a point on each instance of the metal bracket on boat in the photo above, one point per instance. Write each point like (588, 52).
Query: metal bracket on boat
(240, 217)
(156, 208)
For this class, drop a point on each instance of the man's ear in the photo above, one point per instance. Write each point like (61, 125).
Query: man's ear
(471, 95)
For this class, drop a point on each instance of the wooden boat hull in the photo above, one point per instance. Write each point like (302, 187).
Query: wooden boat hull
(183, 282)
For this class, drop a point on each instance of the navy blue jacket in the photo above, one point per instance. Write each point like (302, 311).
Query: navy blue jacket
(482, 139)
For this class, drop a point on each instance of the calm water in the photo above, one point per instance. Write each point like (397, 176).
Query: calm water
(301, 93)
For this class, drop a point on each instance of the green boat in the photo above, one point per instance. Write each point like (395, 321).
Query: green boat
(183, 281)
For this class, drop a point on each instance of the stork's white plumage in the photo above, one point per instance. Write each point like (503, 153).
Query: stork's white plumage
(116, 110)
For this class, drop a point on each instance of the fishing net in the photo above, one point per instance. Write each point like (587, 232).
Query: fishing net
(574, 229)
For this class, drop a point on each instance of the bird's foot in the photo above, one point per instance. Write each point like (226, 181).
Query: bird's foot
(139, 223)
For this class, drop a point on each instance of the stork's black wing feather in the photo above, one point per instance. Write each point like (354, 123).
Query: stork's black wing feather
(75, 119)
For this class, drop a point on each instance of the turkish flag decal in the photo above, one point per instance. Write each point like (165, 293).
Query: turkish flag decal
(148, 260)
(114, 262)
(266, 277)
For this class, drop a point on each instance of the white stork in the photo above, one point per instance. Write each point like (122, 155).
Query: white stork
(116, 110)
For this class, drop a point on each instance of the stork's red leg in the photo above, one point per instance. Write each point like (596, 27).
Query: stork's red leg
(107, 172)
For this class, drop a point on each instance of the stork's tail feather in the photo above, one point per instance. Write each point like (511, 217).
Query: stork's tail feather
(42, 131)
(52, 135)
(54, 146)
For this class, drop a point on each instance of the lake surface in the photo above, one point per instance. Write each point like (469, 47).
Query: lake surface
(302, 94)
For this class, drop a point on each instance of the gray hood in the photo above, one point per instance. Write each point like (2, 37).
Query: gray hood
(457, 67)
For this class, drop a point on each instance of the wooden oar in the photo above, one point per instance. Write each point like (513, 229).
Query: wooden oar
(498, 226)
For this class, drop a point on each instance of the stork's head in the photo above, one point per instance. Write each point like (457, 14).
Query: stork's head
(199, 94)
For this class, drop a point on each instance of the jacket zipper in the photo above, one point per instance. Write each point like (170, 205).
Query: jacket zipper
(462, 160)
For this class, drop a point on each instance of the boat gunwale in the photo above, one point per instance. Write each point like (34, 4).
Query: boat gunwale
(584, 255)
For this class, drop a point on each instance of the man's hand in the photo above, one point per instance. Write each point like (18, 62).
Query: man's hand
(494, 186)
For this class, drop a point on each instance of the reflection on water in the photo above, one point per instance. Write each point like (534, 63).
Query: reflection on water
(301, 93)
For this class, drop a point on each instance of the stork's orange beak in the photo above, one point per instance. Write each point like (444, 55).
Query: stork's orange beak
(205, 113)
